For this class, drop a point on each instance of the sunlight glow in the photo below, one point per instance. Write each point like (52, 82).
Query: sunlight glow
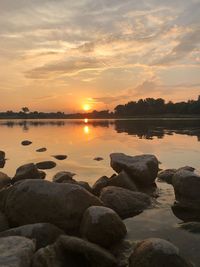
(86, 107)
(86, 130)
(86, 120)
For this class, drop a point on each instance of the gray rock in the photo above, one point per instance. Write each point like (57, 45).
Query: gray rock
(124, 202)
(27, 171)
(192, 227)
(16, 251)
(35, 201)
(42, 149)
(122, 180)
(26, 143)
(4, 180)
(142, 169)
(45, 165)
(4, 225)
(43, 233)
(167, 175)
(63, 176)
(99, 185)
(60, 157)
(155, 252)
(85, 185)
(102, 226)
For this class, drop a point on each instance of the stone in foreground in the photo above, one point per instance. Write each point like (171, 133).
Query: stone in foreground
(63, 176)
(4, 180)
(27, 171)
(44, 234)
(124, 202)
(142, 169)
(35, 201)
(16, 251)
(4, 225)
(99, 185)
(102, 226)
(155, 252)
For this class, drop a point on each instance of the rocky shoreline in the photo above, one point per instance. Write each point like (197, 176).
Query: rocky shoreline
(69, 223)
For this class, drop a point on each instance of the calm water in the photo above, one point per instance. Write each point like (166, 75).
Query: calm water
(176, 143)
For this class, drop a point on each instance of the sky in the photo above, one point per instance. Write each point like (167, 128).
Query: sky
(59, 55)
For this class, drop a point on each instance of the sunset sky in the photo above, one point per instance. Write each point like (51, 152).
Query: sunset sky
(63, 54)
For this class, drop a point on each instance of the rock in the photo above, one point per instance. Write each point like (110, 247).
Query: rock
(155, 252)
(42, 174)
(186, 213)
(42, 149)
(26, 143)
(2, 163)
(85, 185)
(4, 225)
(16, 251)
(99, 185)
(98, 158)
(4, 180)
(2, 155)
(45, 165)
(192, 227)
(35, 201)
(187, 187)
(60, 157)
(124, 202)
(43, 233)
(187, 168)
(91, 254)
(63, 176)
(122, 180)
(142, 169)
(167, 175)
(102, 226)
(27, 171)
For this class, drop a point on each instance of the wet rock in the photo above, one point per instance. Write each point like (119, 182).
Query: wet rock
(102, 226)
(27, 171)
(85, 185)
(16, 251)
(2, 164)
(26, 143)
(122, 180)
(35, 201)
(45, 165)
(2, 155)
(42, 149)
(99, 185)
(142, 169)
(4, 180)
(185, 213)
(98, 159)
(60, 157)
(192, 227)
(155, 252)
(63, 176)
(43, 233)
(42, 174)
(4, 225)
(167, 175)
(124, 202)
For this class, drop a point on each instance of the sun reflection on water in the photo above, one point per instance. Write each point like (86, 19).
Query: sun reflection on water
(86, 130)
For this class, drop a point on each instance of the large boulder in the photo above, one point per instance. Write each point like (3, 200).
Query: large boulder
(124, 202)
(43, 233)
(34, 201)
(99, 185)
(102, 226)
(142, 169)
(4, 225)
(155, 252)
(4, 180)
(27, 171)
(16, 251)
(73, 251)
(122, 180)
(46, 165)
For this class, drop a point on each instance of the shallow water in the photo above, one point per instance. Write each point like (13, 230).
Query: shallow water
(176, 143)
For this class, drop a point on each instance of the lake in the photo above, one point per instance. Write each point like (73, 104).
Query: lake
(176, 143)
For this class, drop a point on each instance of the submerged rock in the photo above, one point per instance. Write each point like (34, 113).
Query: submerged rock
(98, 159)
(27, 171)
(16, 251)
(124, 202)
(35, 201)
(102, 226)
(45, 165)
(26, 143)
(155, 252)
(142, 169)
(42, 149)
(60, 157)
(43, 233)
(4, 180)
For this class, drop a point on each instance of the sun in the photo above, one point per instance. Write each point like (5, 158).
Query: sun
(86, 107)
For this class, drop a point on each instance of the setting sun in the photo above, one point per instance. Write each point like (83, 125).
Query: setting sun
(86, 107)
